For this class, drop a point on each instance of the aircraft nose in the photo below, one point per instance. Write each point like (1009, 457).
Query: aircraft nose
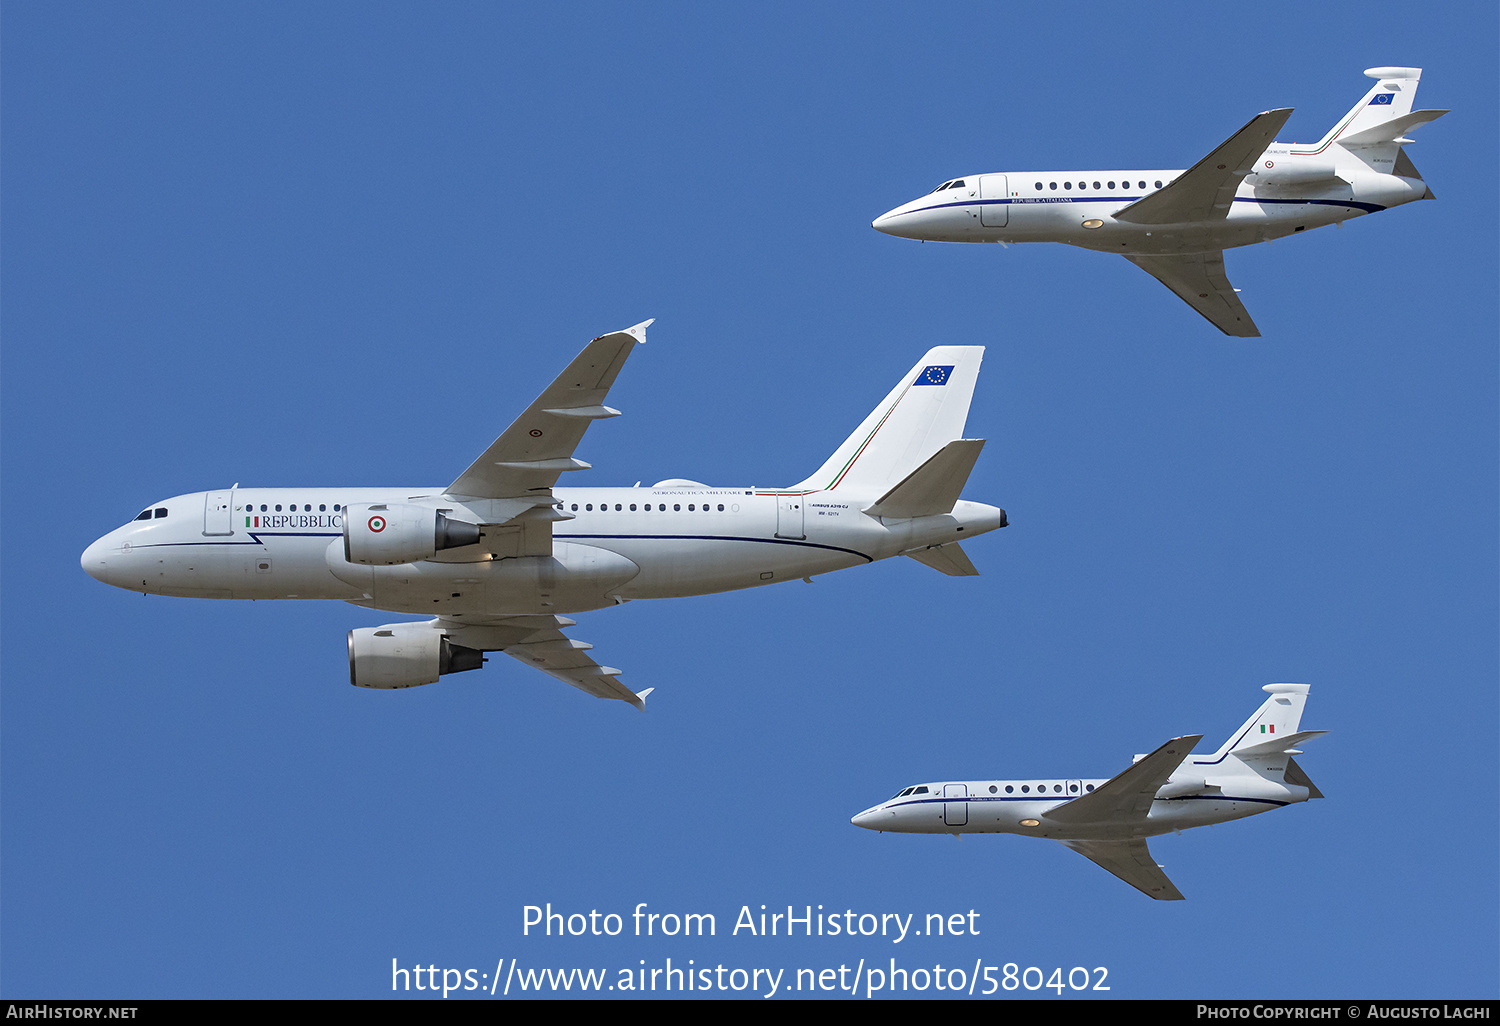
(867, 819)
(888, 222)
(95, 560)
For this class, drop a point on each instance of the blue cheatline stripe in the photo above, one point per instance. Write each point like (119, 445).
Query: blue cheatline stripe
(940, 799)
(1368, 208)
(254, 535)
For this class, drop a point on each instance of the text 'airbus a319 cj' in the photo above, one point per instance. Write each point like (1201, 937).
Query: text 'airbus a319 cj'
(501, 553)
(1175, 225)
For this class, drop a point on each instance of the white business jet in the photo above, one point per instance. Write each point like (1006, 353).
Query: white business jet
(1175, 225)
(498, 555)
(1108, 821)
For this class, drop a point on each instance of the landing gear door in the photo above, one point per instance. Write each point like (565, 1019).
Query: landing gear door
(217, 513)
(995, 211)
(789, 514)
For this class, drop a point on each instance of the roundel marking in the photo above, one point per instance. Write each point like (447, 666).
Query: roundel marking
(377, 524)
(536, 432)
(1270, 163)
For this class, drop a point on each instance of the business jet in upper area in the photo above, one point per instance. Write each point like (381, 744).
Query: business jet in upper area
(1175, 225)
(498, 555)
(1108, 821)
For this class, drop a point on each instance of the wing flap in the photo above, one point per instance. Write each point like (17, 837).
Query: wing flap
(1205, 191)
(1198, 279)
(538, 642)
(526, 460)
(1131, 861)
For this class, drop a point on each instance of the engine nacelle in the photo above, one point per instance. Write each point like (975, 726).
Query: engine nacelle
(388, 533)
(405, 655)
(1274, 172)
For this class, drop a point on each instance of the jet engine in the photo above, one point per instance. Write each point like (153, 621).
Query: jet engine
(1274, 173)
(385, 534)
(405, 655)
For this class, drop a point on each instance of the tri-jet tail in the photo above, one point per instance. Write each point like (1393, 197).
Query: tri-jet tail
(1267, 740)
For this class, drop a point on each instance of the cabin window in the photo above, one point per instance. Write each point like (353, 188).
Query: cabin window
(1111, 185)
(1096, 185)
(1038, 186)
(1158, 184)
(676, 507)
(1010, 789)
(1142, 185)
(1025, 788)
(721, 507)
(993, 789)
(692, 508)
(1088, 787)
(1068, 185)
(575, 507)
(1052, 186)
(632, 507)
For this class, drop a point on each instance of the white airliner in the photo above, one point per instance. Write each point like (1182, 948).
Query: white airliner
(500, 554)
(1175, 225)
(1108, 821)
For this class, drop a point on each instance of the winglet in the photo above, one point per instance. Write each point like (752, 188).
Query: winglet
(640, 696)
(638, 331)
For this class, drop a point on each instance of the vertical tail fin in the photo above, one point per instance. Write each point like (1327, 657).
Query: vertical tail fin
(1389, 100)
(1278, 717)
(924, 412)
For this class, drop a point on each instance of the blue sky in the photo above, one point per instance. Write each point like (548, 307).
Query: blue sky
(344, 244)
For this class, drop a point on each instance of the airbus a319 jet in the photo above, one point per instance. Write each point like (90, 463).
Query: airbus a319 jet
(499, 555)
(1108, 821)
(1175, 225)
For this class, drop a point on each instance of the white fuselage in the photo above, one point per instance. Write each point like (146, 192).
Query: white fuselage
(1077, 207)
(1194, 796)
(610, 545)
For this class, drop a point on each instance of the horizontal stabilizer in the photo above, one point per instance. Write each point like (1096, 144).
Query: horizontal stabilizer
(1131, 861)
(1392, 130)
(933, 488)
(947, 559)
(1205, 191)
(1277, 745)
(1294, 775)
(1127, 796)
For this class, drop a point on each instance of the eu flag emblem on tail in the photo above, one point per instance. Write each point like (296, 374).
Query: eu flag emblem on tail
(934, 375)
(1382, 100)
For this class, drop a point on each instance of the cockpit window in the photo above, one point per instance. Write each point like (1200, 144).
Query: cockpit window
(959, 184)
(145, 514)
(161, 511)
(148, 514)
(921, 790)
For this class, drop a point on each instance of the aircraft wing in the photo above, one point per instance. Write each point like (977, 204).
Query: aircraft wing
(538, 641)
(1199, 280)
(526, 460)
(1205, 191)
(1127, 796)
(1131, 861)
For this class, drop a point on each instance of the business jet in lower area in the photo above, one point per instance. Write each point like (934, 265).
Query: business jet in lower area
(498, 556)
(1175, 225)
(1108, 821)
